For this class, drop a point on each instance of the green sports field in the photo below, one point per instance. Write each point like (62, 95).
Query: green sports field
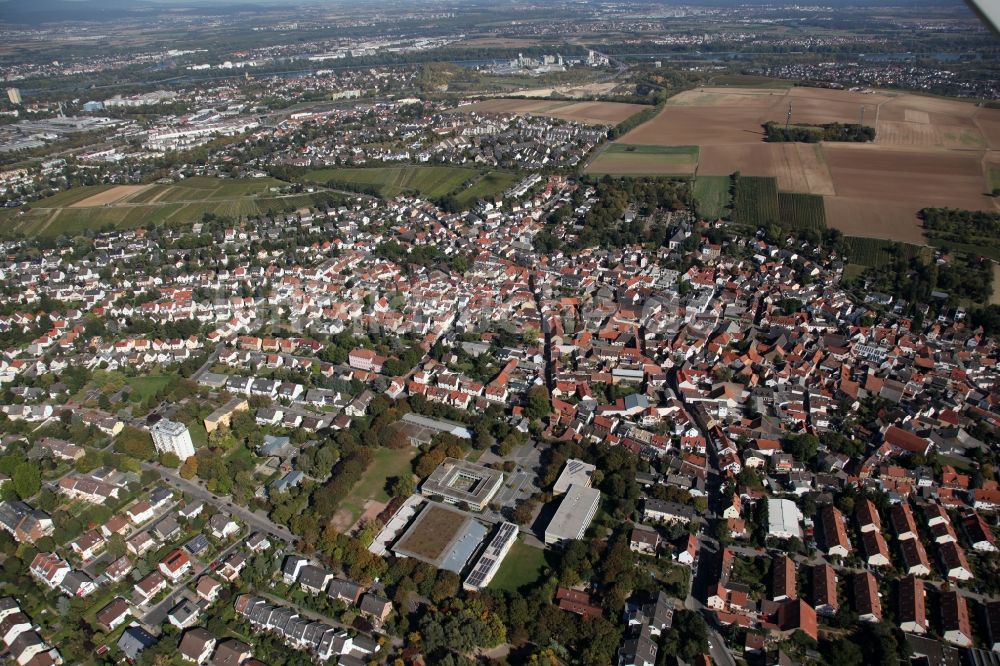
(524, 565)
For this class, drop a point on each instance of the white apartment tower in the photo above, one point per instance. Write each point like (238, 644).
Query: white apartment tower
(172, 437)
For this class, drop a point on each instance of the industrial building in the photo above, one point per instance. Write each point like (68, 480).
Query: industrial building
(574, 514)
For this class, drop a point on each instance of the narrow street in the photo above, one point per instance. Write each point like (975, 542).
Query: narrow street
(253, 520)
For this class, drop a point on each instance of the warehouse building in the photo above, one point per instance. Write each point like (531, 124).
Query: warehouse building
(783, 519)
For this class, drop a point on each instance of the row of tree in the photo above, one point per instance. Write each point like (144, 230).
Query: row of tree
(842, 132)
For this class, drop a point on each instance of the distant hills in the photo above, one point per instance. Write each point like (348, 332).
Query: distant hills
(49, 11)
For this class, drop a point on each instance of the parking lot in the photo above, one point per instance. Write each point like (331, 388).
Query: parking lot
(518, 484)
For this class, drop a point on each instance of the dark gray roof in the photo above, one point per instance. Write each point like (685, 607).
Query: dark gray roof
(135, 640)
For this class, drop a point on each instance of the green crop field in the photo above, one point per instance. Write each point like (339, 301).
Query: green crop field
(875, 251)
(622, 159)
(994, 178)
(70, 196)
(426, 181)
(184, 202)
(801, 211)
(713, 196)
(488, 186)
(756, 201)
(690, 152)
(982, 249)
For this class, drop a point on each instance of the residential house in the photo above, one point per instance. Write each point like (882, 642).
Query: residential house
(196, 645)
(867, 602)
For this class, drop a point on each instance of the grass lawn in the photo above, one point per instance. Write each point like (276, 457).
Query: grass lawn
(852, 271)
(713, 196)
(147, 386)
(386, 463)
(488, 186)
(199, 436)
(523, 566)
(426, 181)
(240, 453)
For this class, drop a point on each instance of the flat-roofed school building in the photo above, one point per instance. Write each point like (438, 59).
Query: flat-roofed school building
(574, 514)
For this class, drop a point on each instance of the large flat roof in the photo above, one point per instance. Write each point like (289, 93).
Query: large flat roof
(783, 517)
(442, 536)
(575, 472)
(438, 425)
(460, 481)
(574, 514)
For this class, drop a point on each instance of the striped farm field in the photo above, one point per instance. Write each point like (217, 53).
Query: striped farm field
(756, 201)
(183, 202)
(801, 211)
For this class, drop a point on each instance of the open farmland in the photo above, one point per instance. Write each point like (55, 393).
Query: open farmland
(756, 201)
(713, 195)
(591, 113)
(928, 152)
(79, 209)
(626, 160)
(426, 181)
(799, 167)
(801, 211)
(112, 195)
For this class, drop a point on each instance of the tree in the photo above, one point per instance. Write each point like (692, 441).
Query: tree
(26, 479)
(538, 403)
(401, 486)
(134, 442)
(190, 468)
(169, 459)
(687, 638)
(524, 511)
